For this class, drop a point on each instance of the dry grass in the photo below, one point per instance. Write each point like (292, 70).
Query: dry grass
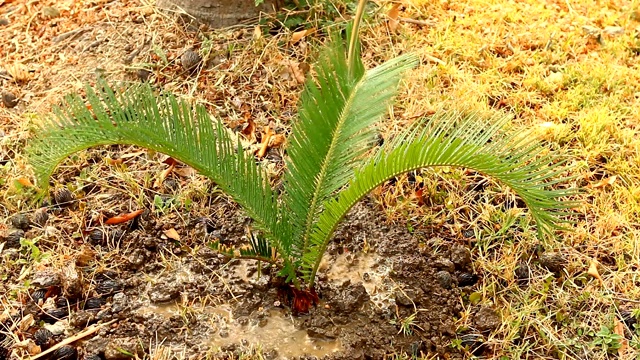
(567, 70)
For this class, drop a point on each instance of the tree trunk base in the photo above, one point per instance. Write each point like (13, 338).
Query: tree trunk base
(219, 13)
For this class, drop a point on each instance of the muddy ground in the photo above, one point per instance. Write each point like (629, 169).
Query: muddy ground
(382, 291)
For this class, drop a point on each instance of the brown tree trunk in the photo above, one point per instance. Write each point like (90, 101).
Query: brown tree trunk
(219, 13)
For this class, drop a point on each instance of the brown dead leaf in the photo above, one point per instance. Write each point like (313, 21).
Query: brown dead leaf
(624, 343)
(185, 171)
(169, 160)
(604, 182)
(593, 271)
(163, 175)
(172, 234)
(266, 139)
(26, 322)
(276, 140)
(249, 130)
(123, 218)
(393, 15)
(299, 35)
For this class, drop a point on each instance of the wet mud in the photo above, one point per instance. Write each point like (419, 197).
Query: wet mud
(382, 292)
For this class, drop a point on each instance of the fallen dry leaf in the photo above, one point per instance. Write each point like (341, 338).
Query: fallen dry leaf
(249, 130)
(163, 175)
(123, 218)
(276, 140)
(266, 139)
(624, 343)
(393, 15)
(593, 271)
(172, 234)
(299, 35)
(185, 171)
(604, 182)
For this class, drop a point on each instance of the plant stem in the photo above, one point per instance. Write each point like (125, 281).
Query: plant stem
(353, 41)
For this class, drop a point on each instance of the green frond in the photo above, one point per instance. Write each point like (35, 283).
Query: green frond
(459, 140)
(137, 116)
(337, 112)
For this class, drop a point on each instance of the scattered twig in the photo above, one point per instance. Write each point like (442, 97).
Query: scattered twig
(88, 331)
(93, 44)
(417, 22)
(70, 35)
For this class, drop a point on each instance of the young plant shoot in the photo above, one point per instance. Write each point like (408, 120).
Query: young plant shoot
(332, 160)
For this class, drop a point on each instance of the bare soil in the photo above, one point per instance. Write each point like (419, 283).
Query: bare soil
(195, 302)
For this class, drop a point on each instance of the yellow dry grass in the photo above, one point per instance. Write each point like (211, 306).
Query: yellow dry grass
(568, 70)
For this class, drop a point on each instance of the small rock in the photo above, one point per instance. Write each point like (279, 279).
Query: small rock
(591, 30)
(553, 261)
(9, 100)
(38, 296)
(613, 30)
(107, 287)
(460, 256)
(45, 278)
(4, 22)
(445, 279)
(467, 279)
(120, 303)
(469, 233)
(136, 259)
(171, 185)
(13, 240)
(63, 196)
(403, 297)
(72, 281)
(20, 221)
(40, 217)
(96, 237)
(190, 60)
(163, 292)
(143, 74)
(62, 302)
(55, 315)
(43, 338)
(487, 319)
(81, 319)
(522, 272)
(94, 303)
(56, 328)
(444, 264)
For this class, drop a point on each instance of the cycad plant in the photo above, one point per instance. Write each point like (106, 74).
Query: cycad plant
(332, 159)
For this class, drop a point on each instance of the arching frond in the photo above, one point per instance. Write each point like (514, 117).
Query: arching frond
(454, 139)
(337, 112)
(137, 116)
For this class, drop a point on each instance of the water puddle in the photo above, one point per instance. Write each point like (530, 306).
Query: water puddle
(368, 268)
(273, 331)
